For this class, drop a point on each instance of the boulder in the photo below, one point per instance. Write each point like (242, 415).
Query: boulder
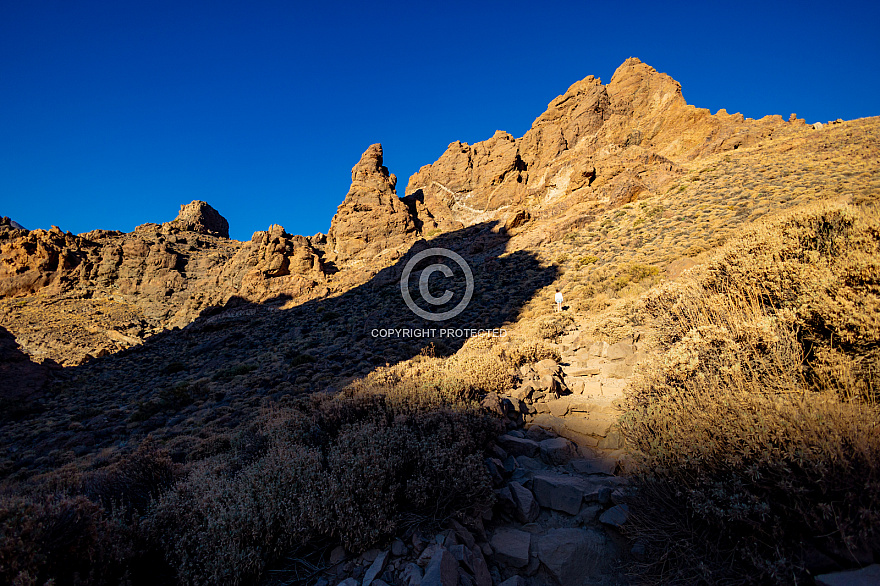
(620, 350)
(519, 446)
(599, 349)
(547, 366)
(617, 370)
(560, 492)
(527, 508)
(442, 570)
(572, 556)
(411, 575)
(616, 516)
(557, 451)
(511, 547)
(375, 569)
(867, 576)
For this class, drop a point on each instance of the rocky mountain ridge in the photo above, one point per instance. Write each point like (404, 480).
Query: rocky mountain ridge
(596, 148)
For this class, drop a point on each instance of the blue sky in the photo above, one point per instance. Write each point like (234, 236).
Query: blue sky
(113, 114)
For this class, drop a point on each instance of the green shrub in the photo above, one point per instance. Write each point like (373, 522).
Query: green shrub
(587, 259)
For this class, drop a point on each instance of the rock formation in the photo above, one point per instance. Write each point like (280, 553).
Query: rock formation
(372, 218)
(606, 144)
(163, 275)
(597, 147)
(8, 223)
(199, 217)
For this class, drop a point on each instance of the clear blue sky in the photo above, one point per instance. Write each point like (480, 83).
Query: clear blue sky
(115, 113)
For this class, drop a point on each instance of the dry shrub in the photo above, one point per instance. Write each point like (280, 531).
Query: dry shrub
(132, 483)
(529, 351)
(357, 467)
(479, 367)
(755, 437)
(553, 327)
(57, 540)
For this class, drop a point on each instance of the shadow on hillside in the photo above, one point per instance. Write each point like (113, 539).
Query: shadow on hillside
(216, 372)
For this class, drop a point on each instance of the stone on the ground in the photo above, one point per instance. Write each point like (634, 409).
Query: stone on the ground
(529, 463)
(398, 548)
(616, 516)
(598, 425)
(348, 582)
(572, 555)
(559, 492)
(482, 577)
(611, 441)
(617, 370)
(519, 446)
(411, 575)
(558, 407)
(337, 554)
(586, 371)
(619, 351)
(599, 349)
(442, 570)
(527, 508)
(595, 465)
(376, 568)
(370, 554)
(514, 581)
(557, 451)
(511, 547)
(867, 576)
(549, 384)
(539, 434)
(547, 366)
(461, 532)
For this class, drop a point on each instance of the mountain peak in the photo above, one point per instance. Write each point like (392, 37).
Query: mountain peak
(198, 216)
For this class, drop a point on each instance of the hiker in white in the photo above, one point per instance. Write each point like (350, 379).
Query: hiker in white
(558, 300)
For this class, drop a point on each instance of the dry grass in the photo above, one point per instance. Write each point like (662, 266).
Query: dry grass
(755, 431)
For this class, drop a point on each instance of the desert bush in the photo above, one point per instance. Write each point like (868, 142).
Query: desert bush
(132, 483)
(354, 468)
(531, 350)
(587, 259)
(553, 327)
(754, 443)
(57, 540)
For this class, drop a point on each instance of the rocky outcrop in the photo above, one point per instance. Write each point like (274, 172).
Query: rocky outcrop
(33, 260)
(372, 218)
(274, 263)
(8, 224)
(603, 144)
(163, 275)
(201, 218)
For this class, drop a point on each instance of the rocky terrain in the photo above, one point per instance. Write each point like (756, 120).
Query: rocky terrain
(585, 163)
(176, 336)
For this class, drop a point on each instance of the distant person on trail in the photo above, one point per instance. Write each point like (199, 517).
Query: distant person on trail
(558, 301)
